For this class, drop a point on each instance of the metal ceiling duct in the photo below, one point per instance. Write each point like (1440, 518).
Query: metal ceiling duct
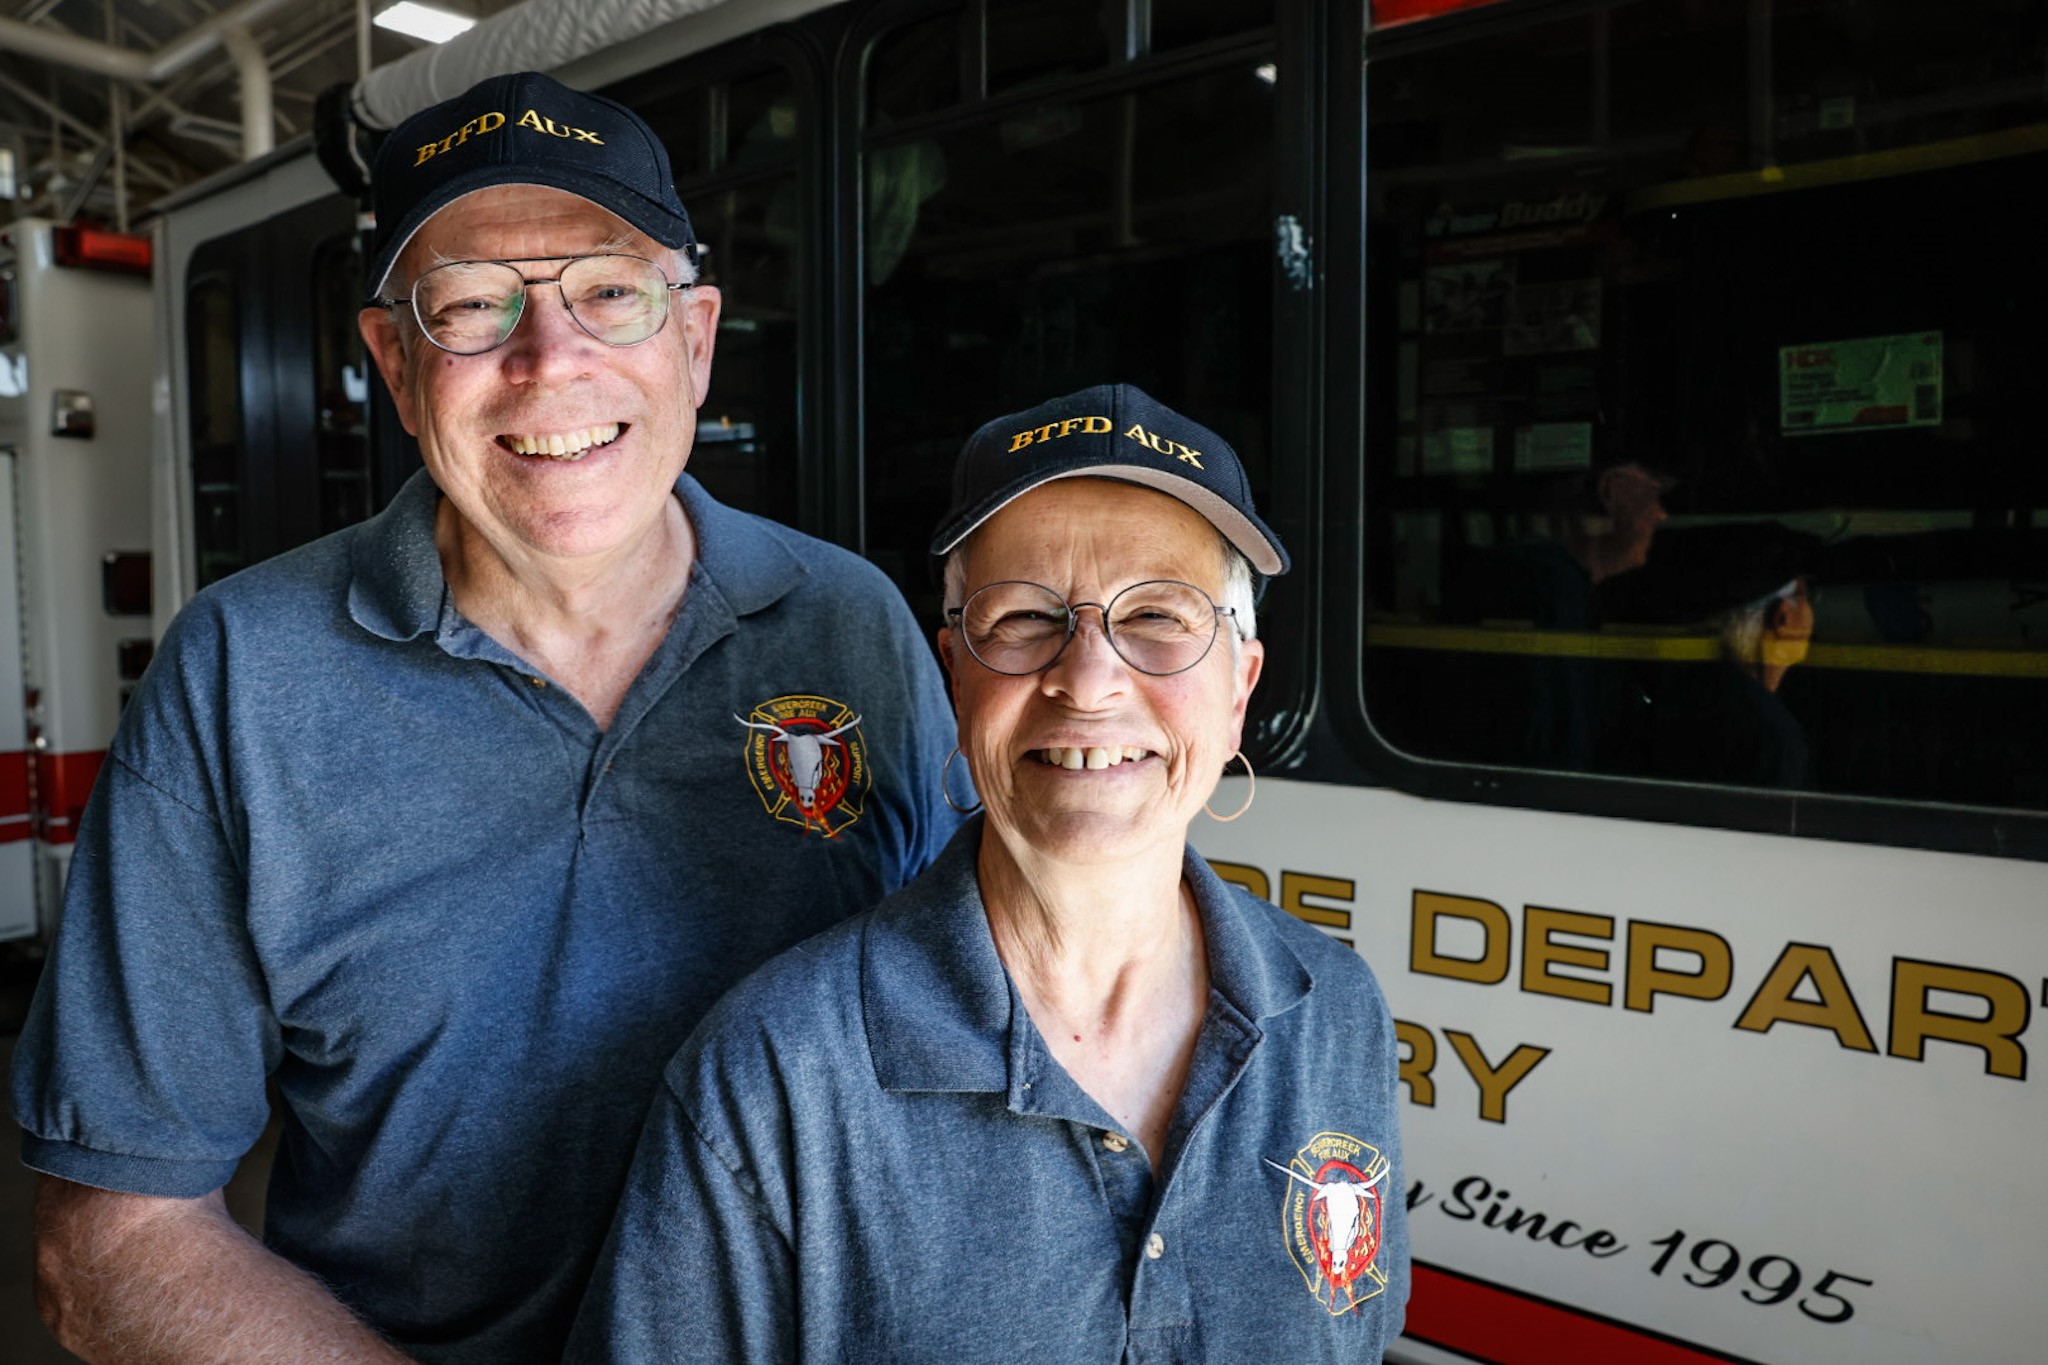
(543, 35)
(123, 63)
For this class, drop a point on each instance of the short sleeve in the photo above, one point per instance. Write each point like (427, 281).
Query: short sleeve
(141, 1066)
(694, 1270)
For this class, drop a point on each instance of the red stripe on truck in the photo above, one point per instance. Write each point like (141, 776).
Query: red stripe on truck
(62, 783)
(1500, 1326)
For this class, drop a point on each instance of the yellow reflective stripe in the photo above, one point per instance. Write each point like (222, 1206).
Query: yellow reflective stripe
(1842, 170)
(1565, 644)
(1552, 643)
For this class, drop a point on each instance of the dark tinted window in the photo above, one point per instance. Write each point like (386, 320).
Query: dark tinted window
(341, 384)
(1079, 241)
(1177, 23)
(214, 400)
(1031, 42)
(1702, 361)
(915, 69)
(747, 213)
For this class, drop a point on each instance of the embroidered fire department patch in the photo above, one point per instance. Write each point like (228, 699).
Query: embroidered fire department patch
(1332, 1215)
(807, 761)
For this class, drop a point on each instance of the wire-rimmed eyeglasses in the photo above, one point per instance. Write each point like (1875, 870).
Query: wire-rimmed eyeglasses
(469, 307)
(1160, 627)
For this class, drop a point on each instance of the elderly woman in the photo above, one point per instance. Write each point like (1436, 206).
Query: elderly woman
(1068, 1096)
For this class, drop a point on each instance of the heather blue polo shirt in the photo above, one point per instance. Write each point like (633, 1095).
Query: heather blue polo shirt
(867, 1153)
(348, 842)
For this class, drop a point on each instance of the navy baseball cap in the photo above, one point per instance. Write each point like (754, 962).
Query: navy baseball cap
(1112, 431)
(521, 129)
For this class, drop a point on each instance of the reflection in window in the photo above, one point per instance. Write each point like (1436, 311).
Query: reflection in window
(1702, 374)
(1055, 246)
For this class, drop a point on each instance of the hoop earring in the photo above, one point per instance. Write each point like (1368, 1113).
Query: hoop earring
(1251, 792)
(945, 772)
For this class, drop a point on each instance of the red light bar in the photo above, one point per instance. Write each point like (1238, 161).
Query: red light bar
(1385, 12)
(99, 249)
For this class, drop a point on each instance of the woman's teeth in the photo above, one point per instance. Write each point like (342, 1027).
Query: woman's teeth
(1077, 759)
(565, 445)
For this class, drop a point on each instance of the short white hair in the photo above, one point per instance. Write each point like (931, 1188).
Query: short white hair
(1240, 586)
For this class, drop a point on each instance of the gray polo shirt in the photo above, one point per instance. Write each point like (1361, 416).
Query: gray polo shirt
(867, 1153)
(347, 842)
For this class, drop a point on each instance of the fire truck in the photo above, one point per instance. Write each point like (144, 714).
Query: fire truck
(76, 409)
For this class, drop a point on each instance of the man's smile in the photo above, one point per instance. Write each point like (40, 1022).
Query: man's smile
(562, 445)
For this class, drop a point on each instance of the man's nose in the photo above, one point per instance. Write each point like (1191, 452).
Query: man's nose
(547, 334)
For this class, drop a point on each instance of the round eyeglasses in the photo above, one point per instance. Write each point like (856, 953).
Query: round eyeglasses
(1160, 627)
(469, 307)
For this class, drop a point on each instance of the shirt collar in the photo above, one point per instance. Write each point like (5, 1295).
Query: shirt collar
(396, 586)
(937, 1002)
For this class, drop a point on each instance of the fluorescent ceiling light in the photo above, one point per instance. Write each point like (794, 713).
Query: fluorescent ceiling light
(423, 21)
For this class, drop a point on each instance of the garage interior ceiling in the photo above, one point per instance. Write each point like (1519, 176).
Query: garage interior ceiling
(103, 134)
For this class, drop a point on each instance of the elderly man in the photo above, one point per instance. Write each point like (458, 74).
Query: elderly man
(451, 825)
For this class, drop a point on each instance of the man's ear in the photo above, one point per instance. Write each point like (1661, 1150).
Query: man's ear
(387, 348)
(700, 305)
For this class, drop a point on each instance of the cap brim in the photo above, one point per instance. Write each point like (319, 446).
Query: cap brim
(1250, 535)
(646, 216)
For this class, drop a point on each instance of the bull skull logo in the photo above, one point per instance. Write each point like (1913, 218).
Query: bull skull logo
(806, 760)
(1333, 1216)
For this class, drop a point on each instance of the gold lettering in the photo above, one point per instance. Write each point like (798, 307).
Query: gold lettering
(1044, 432)
(1090, 425)
(483, 123)
(529, 119)
(584, 135)
(1495, 1081)
(1159, 443)
(1490, 968)
(1540, 951)
(1136, 433)
(1419, 1062)
(1296, 887)
(1835, 1011)
(1193, 457)
(1997, 1033)
(1244, 875)
(1069, 425)
(1019, 441)
(1646, 980)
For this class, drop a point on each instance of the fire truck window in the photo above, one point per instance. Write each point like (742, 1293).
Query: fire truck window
(1032, 42)
(1182, 23)
(915, 69)
(748, 216)
(1703, 351)
(1018, 257)
(215, 401)
(341, 384)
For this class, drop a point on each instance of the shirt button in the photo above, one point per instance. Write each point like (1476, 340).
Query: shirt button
(1155, 1247)
(540, 682)
(1115, 1142)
